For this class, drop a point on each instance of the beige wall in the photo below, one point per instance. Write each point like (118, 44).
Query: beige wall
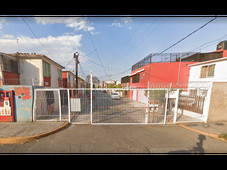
(218, 102)
(31, 69)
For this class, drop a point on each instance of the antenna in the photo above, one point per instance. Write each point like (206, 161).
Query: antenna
(18, 45)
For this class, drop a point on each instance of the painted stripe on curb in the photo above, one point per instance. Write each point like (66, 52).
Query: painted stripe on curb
(14, 140)
(202, 132)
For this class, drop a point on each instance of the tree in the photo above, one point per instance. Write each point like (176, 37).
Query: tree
(95, 79)
(118, 86)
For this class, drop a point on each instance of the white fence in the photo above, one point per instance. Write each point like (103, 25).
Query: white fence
(135, 106)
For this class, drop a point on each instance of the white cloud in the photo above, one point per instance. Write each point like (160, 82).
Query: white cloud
(126, 20)
(77, 23)
(121, 21)
(61, 48)
(2, 20)
(117, 24)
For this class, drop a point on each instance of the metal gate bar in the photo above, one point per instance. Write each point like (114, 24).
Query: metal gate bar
(135, 106)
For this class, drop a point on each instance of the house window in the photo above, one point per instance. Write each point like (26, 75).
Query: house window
(136, 79)
(14, 66)
(125, 79)
(210, 72)
(10, 65)
(46, 69)
(207, 71)
(59, 75)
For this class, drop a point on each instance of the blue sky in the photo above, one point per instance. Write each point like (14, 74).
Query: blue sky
(119, 42)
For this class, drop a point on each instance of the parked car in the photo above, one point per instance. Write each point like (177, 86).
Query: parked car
(115, 96)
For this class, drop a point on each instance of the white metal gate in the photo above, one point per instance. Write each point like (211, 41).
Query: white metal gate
(126, 109)
(119, 106)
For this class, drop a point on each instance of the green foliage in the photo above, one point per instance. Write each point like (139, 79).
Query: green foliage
(110, 85)
(118, 86)
(223, 135)
(156, 94)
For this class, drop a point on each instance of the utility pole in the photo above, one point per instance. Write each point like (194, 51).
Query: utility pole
(76, 54)
(110, 71)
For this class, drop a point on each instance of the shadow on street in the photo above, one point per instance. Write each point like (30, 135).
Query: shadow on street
(198, 149)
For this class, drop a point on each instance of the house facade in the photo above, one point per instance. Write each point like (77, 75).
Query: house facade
(30, 69)
(68, 79)
(213, 72)
(209, 71)
(169, 67)
(9, 70)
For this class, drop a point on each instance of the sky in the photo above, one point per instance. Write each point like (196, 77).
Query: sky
(108, 45)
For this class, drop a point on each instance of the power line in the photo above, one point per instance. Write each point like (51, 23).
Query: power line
(69, 62)
(81, 69)
(126, 43)
(97, 52)
(187, 36)
(178, 41)
(37, 38)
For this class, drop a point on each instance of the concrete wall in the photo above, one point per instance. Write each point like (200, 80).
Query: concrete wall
(161, 73)
(54, 75)
(219, 72)
(218, 102)
(23, 101)
(31, 69)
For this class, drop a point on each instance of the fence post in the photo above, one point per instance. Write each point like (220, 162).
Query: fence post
(69, 108)
(206, 104)
(59, 101)
(176, 107)
(34, 105)
(91, 86)
(148, 104)
(167, 97)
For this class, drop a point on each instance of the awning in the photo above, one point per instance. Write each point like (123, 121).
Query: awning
(137, 72)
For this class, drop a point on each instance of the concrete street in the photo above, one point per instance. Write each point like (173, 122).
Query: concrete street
(121, 139)
(108, 110)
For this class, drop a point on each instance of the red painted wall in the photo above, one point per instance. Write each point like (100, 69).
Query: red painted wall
(11, 78)
(161, 73)
(64, 78)
(64, 74)
(60, 83)
(224, 52)
(47, 81)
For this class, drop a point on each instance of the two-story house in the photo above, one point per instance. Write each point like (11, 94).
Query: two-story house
(30, 69)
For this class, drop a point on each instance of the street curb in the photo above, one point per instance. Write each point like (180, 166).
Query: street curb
(215, 136)
(14, 140)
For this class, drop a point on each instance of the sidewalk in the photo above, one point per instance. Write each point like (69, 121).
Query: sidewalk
(212, 129)
(20, 132)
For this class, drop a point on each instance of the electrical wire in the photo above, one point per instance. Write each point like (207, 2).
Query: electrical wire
(37, 37)
(96, 50)
(186, 36)
(179, 40)
(69, 62)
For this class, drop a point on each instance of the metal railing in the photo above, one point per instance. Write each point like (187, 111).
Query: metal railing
(133, 106)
